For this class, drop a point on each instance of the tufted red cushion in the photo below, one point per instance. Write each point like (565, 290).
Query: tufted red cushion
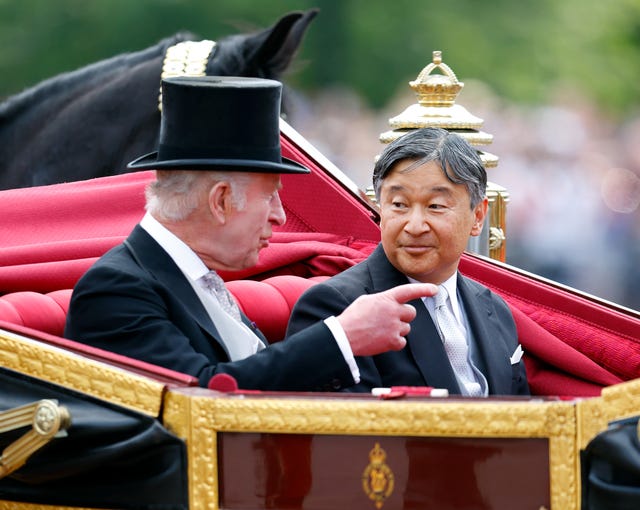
(42, 312)
(563, 328)
(269, 302)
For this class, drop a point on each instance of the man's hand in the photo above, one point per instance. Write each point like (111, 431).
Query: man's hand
(377, 323)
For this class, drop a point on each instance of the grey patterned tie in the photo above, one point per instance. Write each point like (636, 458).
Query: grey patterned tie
(455, 344)
(216, 285)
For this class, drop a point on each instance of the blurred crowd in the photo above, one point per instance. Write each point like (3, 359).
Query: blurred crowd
(572, 174)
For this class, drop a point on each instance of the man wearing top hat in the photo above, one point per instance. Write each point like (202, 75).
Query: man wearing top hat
(157, 296)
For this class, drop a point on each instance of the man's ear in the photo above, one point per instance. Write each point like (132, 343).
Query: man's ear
(220, 203)
(480, 213)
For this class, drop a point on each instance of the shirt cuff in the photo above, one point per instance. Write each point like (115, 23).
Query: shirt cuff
(343, 342)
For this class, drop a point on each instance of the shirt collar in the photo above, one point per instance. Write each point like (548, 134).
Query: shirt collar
(451, 284)
(184, 257)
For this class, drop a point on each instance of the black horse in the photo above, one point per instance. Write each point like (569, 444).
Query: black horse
(91, 122)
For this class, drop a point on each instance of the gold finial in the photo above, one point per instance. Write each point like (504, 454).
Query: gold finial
(436, 107)
(437, 89)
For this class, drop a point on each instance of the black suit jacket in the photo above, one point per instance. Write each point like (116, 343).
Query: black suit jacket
(423, 362)
(135, 301)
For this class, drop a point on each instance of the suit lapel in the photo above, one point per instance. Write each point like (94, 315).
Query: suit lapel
(424, 342)
(483, 322)
(150, 256)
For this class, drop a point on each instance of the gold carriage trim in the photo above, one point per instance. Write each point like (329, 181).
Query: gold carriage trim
(197, 416)
(187, 58)
(71, 370)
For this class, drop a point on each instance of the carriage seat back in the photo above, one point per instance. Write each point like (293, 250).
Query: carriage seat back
(268, 303)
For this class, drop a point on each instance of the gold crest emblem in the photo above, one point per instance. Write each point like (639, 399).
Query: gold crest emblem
(377, 478)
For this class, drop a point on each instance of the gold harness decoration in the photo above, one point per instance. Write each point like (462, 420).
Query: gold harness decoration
(187, 58)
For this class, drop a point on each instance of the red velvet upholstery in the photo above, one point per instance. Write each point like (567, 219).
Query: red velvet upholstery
(52, 234)
(42, 312)
(269, 304)
(596, 345)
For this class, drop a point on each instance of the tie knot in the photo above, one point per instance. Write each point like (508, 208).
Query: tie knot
(215, 284)
(440, 299)
(214, 281)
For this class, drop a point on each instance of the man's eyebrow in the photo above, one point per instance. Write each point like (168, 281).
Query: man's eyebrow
(396, 187)
(444, 190)
(440, 190)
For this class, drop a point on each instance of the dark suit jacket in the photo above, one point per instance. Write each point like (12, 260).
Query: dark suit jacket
(136, 302)
(423, 362)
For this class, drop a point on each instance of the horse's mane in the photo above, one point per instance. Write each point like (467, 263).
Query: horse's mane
(98, 70)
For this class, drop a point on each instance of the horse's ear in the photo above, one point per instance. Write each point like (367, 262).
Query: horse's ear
(275, 47)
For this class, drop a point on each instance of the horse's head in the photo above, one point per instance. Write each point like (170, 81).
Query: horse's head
(91, 122)
(264, 54)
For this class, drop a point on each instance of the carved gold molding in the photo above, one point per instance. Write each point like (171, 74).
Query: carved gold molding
(622, 400)
(617, 402)
(498, 199)
(190, 422)
(70, 370)
(197, 415)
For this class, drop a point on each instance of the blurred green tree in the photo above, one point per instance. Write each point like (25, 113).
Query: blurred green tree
(520, 49)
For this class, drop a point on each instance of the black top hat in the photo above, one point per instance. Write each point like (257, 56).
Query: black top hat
(220, 123)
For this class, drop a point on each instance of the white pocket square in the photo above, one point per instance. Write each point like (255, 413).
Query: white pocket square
(517, 355)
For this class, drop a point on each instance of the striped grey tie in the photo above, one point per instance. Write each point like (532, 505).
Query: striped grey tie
(216, 285)
(455, 344)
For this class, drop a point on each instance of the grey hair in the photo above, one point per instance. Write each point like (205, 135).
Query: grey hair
(457, 158)
(175, 194)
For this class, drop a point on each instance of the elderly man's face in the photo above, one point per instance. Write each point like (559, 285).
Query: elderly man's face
(249, 228)
(426, 221)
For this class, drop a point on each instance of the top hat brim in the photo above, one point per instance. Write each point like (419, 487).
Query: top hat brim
(150, 162)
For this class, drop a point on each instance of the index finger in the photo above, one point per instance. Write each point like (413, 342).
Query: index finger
(409, 291)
